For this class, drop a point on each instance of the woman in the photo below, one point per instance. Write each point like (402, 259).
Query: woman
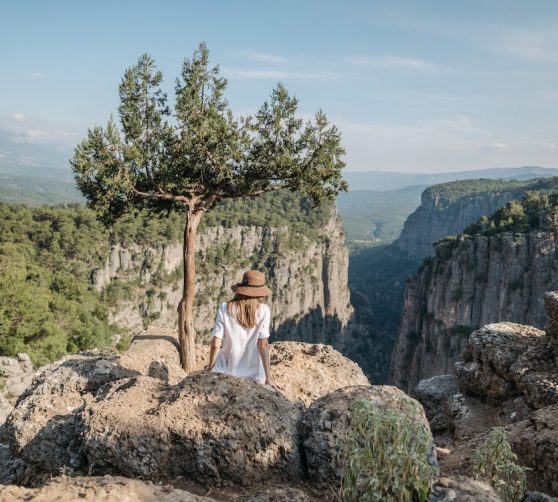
(242, 326)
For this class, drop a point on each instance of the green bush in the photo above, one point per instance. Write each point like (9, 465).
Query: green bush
(384, 456)
(496, 463)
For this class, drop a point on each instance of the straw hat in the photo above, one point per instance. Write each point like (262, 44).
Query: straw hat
(253, 284)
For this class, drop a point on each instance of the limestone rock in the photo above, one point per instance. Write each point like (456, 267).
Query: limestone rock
(435, 394)
(302, 371)
(538, 497)
(155, 352)
(101, 489)
(535, 440)
(469, 416)
(280, 494)
(42, 428)
(551, 309)
(462, 489)
(471, 282)
(508, 360)
(305, 372)
(328, 420)
(212, 428)
(310, 300)
(9, 367)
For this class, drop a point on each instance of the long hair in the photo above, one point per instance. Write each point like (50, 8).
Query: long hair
(245, 308)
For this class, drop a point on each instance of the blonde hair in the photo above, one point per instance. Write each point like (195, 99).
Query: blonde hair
(245, 308)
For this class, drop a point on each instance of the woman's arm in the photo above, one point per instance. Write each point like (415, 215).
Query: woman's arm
(215, 347)
(263, 348)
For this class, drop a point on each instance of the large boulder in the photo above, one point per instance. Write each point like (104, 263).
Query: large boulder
(307, 371)
(41, 429)
(436, 394)
(98, 489)
(155, 352)
(302, 371)
(462, 489)
(506, 360)
(535, 440)
(328, 420)
(212, 428)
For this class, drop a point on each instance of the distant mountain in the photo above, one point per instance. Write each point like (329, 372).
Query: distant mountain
(384, 180)
(20, 157)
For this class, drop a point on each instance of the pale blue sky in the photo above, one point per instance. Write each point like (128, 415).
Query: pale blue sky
(414, 86)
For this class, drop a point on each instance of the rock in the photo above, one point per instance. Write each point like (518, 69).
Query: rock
(462, 489)
(23, 357)
(538, 497)
(327, 420)
(535, 440)
(305, 371)
(154, 352)
(435, 394)
(9, 367)
(42, 427)
(280, 494)
(551, 309)
(102, 489)
(469, 416)
(507, 360)
(212, 428)
(5, 408)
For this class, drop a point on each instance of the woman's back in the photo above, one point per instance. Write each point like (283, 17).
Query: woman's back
(239, 353)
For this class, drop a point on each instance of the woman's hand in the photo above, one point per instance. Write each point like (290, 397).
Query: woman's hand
(208, 367)
(271, 383)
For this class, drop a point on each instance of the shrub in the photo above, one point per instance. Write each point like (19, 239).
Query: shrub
(385, 456)
(496, 463)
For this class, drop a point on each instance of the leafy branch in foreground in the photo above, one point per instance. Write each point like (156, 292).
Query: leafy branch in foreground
(385, 456)
(496, 463)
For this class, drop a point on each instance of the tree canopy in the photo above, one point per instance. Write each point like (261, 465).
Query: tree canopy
(200, 152)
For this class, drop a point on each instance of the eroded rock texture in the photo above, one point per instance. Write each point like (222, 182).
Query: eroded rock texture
(328, 420)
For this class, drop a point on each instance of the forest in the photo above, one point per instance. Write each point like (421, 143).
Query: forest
(48, 305)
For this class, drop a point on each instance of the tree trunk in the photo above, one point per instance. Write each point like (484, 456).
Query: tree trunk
(186, 333)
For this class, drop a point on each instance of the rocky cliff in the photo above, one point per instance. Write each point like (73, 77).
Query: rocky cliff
(481, 280)
(308, 276)
(496, 272)
(448, 208)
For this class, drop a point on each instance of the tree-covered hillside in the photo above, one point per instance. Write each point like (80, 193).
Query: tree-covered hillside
(48, 305)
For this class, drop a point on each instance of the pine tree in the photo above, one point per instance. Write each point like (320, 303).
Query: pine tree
(186, 159)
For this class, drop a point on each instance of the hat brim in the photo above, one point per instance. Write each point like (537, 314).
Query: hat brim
(249, 291)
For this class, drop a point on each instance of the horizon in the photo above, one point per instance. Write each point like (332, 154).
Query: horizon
(430, 88)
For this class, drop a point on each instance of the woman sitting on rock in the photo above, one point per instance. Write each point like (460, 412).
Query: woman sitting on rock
(242, 326)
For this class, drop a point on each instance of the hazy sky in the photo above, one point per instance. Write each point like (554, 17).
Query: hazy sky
(414, 86)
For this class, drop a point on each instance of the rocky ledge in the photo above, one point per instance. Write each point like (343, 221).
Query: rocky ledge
(98, 417)
(507, 376)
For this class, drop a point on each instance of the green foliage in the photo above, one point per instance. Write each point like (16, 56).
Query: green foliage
(48, 305)
(536, 210)
(446, 194)
(384, 456)
(497, 464)
(165, 160)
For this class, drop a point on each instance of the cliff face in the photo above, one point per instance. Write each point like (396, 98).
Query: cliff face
(431, 221)
(476, 281)
(308, 277)
(448, 208)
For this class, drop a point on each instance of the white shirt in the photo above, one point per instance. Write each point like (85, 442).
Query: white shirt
(239, 353)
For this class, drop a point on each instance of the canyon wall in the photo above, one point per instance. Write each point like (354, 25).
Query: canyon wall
(472, 281)
(308, 276)
(448, 208)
